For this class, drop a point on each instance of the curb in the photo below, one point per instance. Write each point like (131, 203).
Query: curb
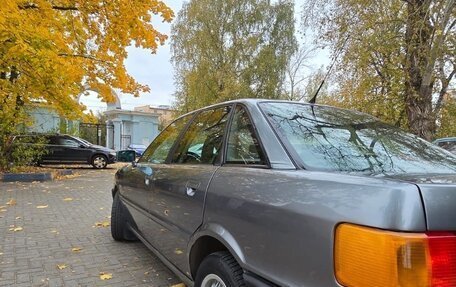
(29, 177)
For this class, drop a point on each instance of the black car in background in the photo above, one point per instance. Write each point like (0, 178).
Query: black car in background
(66, 149)
(447, 143)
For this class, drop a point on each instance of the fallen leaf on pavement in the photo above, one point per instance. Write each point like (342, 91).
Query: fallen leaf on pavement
(178, 251)
(61, 266)
(76, 249)
(42, 206)
(2, 210)
(178, 285)
(11, 202)
(18, 217)
(16, 228)
(3, 206)
(102, 224)
(68, 199)
(105, 276)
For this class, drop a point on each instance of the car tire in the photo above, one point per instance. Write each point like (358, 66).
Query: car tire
(99, 161)
(219, 269)
(121, 221)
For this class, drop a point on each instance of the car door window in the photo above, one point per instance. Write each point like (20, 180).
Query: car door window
(203, 140)
(243, 146)
(68, 142)
(158, 150)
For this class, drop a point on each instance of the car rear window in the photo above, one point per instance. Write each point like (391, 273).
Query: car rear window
(327, 138)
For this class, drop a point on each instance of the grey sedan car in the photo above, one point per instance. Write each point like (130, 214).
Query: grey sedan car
(276, 193)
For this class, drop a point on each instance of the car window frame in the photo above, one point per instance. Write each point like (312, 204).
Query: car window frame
(217, 161)
(267, 164)
(292, 154)
(178, 138)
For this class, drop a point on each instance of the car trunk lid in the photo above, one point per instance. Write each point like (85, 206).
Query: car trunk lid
(438, 192)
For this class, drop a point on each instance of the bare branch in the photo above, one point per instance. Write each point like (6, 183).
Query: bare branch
(55, 7)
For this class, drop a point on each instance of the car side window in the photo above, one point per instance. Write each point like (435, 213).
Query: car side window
(243, 147)
(68, 142)
(203, 140)
(158, 150)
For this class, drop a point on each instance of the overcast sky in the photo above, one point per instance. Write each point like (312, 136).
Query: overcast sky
(156, 70)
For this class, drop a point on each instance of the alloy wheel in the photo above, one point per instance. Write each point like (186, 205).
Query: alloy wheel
(99, 162)
(212, 280)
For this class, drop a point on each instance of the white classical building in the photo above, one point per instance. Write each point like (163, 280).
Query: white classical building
(130, 127)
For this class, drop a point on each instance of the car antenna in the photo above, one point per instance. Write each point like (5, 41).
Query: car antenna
(314, 98)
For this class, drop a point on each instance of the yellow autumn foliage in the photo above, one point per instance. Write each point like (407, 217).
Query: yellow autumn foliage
(50, 50)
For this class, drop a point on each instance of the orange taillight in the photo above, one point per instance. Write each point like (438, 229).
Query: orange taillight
(366, 257)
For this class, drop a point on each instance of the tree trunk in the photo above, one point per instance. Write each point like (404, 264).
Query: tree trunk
(418, 93)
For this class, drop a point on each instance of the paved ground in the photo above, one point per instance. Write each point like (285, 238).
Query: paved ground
(67, 213)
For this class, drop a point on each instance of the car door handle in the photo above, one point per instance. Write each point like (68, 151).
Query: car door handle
(191, 187)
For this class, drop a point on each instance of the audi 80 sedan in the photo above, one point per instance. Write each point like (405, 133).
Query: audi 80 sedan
(276, 193)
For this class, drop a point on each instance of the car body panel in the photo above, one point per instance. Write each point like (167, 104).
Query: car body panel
(439, 197)
(439, 201)
(177, 204)
(173, 197)
(284, 222)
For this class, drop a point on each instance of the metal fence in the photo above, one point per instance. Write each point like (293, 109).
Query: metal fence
(96, 133)
(125, 141)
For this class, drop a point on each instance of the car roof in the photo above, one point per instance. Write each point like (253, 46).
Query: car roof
(254, 102)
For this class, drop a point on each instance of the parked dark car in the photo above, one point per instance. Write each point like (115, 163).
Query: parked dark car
(447, 143)
(275, 193)
(138, 148)
(66, 149)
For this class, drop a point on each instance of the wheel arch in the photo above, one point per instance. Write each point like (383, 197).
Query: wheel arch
(211, 239)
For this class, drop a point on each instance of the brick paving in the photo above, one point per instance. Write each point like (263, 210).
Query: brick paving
(29, 257)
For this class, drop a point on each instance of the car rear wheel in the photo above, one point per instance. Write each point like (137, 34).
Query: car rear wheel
(219, 269)
(120, 221)
(99, 161)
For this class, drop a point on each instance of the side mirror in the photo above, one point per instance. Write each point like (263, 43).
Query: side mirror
(134, 163)
(82, 146)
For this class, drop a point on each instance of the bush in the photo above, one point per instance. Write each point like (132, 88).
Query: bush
(23, 150)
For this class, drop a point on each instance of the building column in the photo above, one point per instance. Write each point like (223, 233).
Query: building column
(135, 132)
(117, 134)
(109, 135)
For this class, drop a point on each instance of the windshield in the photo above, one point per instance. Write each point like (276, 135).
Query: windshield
(327, 138)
